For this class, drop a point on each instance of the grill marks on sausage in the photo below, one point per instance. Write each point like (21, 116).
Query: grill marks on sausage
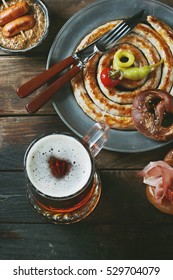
(20, 24)
(13, 12)
(166, 33)
(113, 106)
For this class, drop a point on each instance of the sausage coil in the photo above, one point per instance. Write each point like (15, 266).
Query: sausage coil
(149, 44)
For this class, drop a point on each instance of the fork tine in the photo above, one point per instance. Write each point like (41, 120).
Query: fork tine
(113, 40)
(115, 34)
(105, 44)
(112, 31)
(109, 40)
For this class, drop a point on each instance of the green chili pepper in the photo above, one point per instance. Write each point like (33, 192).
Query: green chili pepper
(135, 73)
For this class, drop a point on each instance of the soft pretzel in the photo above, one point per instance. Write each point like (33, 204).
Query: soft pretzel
(148, 112)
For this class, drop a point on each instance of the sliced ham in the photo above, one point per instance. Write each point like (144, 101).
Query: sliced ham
(159, 175)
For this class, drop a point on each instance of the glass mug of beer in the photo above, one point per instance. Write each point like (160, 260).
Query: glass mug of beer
(62, 182)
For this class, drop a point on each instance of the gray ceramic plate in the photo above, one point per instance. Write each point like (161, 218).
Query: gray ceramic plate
(65, 42)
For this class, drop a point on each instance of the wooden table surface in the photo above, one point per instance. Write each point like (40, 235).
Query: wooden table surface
(124, 225)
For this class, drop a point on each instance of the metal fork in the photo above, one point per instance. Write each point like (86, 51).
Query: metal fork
(78, 60)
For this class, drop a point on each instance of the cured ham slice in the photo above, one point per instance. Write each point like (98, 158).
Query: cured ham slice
(158, 176)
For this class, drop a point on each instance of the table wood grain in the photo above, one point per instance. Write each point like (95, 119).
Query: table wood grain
(124, 225)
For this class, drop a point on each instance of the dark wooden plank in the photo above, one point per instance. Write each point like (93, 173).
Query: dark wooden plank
(123, 201)
(81, 242)
(117, 160)
(21, 69)
(18, 132)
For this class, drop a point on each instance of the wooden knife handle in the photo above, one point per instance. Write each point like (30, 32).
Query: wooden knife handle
(33, 84)
(45, 95)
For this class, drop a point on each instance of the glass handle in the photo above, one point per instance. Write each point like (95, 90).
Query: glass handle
(96, 137)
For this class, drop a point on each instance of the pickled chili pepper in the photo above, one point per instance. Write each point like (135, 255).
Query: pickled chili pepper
(135, 73)
(123, 59)
(110, 77)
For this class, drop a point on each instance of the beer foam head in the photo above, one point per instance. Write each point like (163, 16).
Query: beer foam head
(63, 147)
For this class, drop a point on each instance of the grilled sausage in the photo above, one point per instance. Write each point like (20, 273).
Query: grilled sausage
(20, 24)
(15, 11)
(113, 105)
(165, 31)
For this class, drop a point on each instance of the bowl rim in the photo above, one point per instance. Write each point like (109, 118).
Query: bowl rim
(45, 10)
